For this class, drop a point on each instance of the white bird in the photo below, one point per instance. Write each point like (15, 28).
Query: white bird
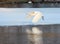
(36, 16)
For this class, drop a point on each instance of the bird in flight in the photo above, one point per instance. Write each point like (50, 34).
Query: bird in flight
(36, 16)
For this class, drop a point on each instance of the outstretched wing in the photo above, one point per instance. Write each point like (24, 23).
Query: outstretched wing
(30, 14)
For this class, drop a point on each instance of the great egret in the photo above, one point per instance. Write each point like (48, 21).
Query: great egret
(36, 16)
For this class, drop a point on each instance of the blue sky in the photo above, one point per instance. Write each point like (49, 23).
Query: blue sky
(17, 16)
